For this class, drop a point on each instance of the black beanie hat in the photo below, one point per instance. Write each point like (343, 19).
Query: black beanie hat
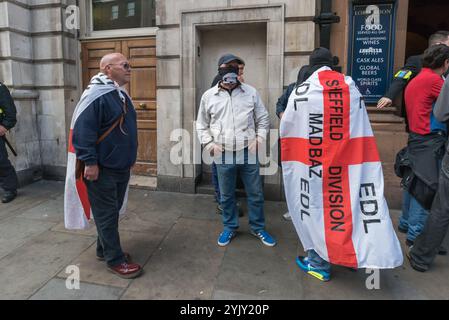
(321, 56)
(228, 57)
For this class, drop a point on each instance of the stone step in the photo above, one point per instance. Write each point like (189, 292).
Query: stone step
(208, 188)
(374, 109)
(379, 117)
(390, 127)
(143, 182)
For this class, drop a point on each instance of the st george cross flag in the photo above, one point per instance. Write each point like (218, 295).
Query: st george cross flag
(333, 175)
(77, 210)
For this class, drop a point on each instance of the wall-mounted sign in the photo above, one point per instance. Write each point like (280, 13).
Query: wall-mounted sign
(371, 51)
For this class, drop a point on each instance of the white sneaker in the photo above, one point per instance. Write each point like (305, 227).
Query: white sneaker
(287, 216)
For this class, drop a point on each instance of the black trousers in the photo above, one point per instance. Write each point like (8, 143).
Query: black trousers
(428, 242)
(8, 176)
(106, 197)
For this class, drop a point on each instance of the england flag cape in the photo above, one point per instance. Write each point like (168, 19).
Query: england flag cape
(333, 175)
(77, 210)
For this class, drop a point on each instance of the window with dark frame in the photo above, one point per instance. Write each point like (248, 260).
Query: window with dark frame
(114, 13)
(122, 14)
(131, 9)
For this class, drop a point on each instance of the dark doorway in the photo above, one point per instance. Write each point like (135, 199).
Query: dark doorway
(425, 18)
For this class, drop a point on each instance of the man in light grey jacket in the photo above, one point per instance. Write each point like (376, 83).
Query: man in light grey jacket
(427, 244)
(232, 122)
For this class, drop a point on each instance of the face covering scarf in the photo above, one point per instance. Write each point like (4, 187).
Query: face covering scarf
(229, 75)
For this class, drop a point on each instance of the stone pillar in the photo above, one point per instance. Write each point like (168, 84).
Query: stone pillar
(17, 72)
(38, 62)
(56, 79)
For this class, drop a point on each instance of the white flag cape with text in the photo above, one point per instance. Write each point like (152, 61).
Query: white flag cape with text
(77, 209)
(333, 175)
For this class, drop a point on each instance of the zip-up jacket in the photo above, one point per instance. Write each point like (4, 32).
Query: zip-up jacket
(232, 119)
(118, 150)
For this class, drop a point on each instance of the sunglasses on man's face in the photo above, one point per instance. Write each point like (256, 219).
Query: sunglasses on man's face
(125, 65)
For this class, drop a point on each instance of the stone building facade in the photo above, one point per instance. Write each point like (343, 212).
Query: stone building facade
(274, 38)
(38, 62)
(173, 46)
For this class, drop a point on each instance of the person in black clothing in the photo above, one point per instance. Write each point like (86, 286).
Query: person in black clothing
(281, 105)
(428, 244)
(319, 58)
(412, 67)
(8, 176)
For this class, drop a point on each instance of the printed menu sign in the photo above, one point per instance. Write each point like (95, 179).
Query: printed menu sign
(371, 51)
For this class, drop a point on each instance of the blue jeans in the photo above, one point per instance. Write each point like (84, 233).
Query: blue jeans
(215, 182)
(217, 186)
(413, 217)
(417, 217)
(317, 262)
(403, 220)
(238, 162)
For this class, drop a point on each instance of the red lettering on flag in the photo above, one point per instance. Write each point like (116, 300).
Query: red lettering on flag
(339, 151)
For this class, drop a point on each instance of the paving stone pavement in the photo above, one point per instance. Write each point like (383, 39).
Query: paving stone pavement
(174, 237)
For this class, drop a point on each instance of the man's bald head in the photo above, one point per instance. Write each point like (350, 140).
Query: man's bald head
(116, 67)
(111, 58)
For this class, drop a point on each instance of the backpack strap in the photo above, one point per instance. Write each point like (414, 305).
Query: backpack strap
(104, 135)
(115, 124)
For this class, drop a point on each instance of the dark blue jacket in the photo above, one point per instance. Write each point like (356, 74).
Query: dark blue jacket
(281, 105)
(118, 151)
(304, 73)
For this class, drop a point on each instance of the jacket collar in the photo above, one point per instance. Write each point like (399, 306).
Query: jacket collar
(217, 88)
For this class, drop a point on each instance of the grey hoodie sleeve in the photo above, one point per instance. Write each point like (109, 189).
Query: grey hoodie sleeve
(441, 110)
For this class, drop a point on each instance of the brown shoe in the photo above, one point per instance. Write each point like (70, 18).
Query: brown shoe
(126, 254)
(127, 270)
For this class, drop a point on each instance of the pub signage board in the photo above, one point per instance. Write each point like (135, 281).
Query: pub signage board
(371, 51)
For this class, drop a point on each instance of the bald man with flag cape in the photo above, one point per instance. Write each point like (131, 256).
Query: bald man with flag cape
(102, 151)
(77, 208)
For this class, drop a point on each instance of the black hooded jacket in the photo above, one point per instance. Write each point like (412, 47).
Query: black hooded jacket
(7, 108)
(304, 73)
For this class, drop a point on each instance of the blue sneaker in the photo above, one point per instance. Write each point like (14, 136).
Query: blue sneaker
(225, 237)
(305, 266)
(265, 238)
